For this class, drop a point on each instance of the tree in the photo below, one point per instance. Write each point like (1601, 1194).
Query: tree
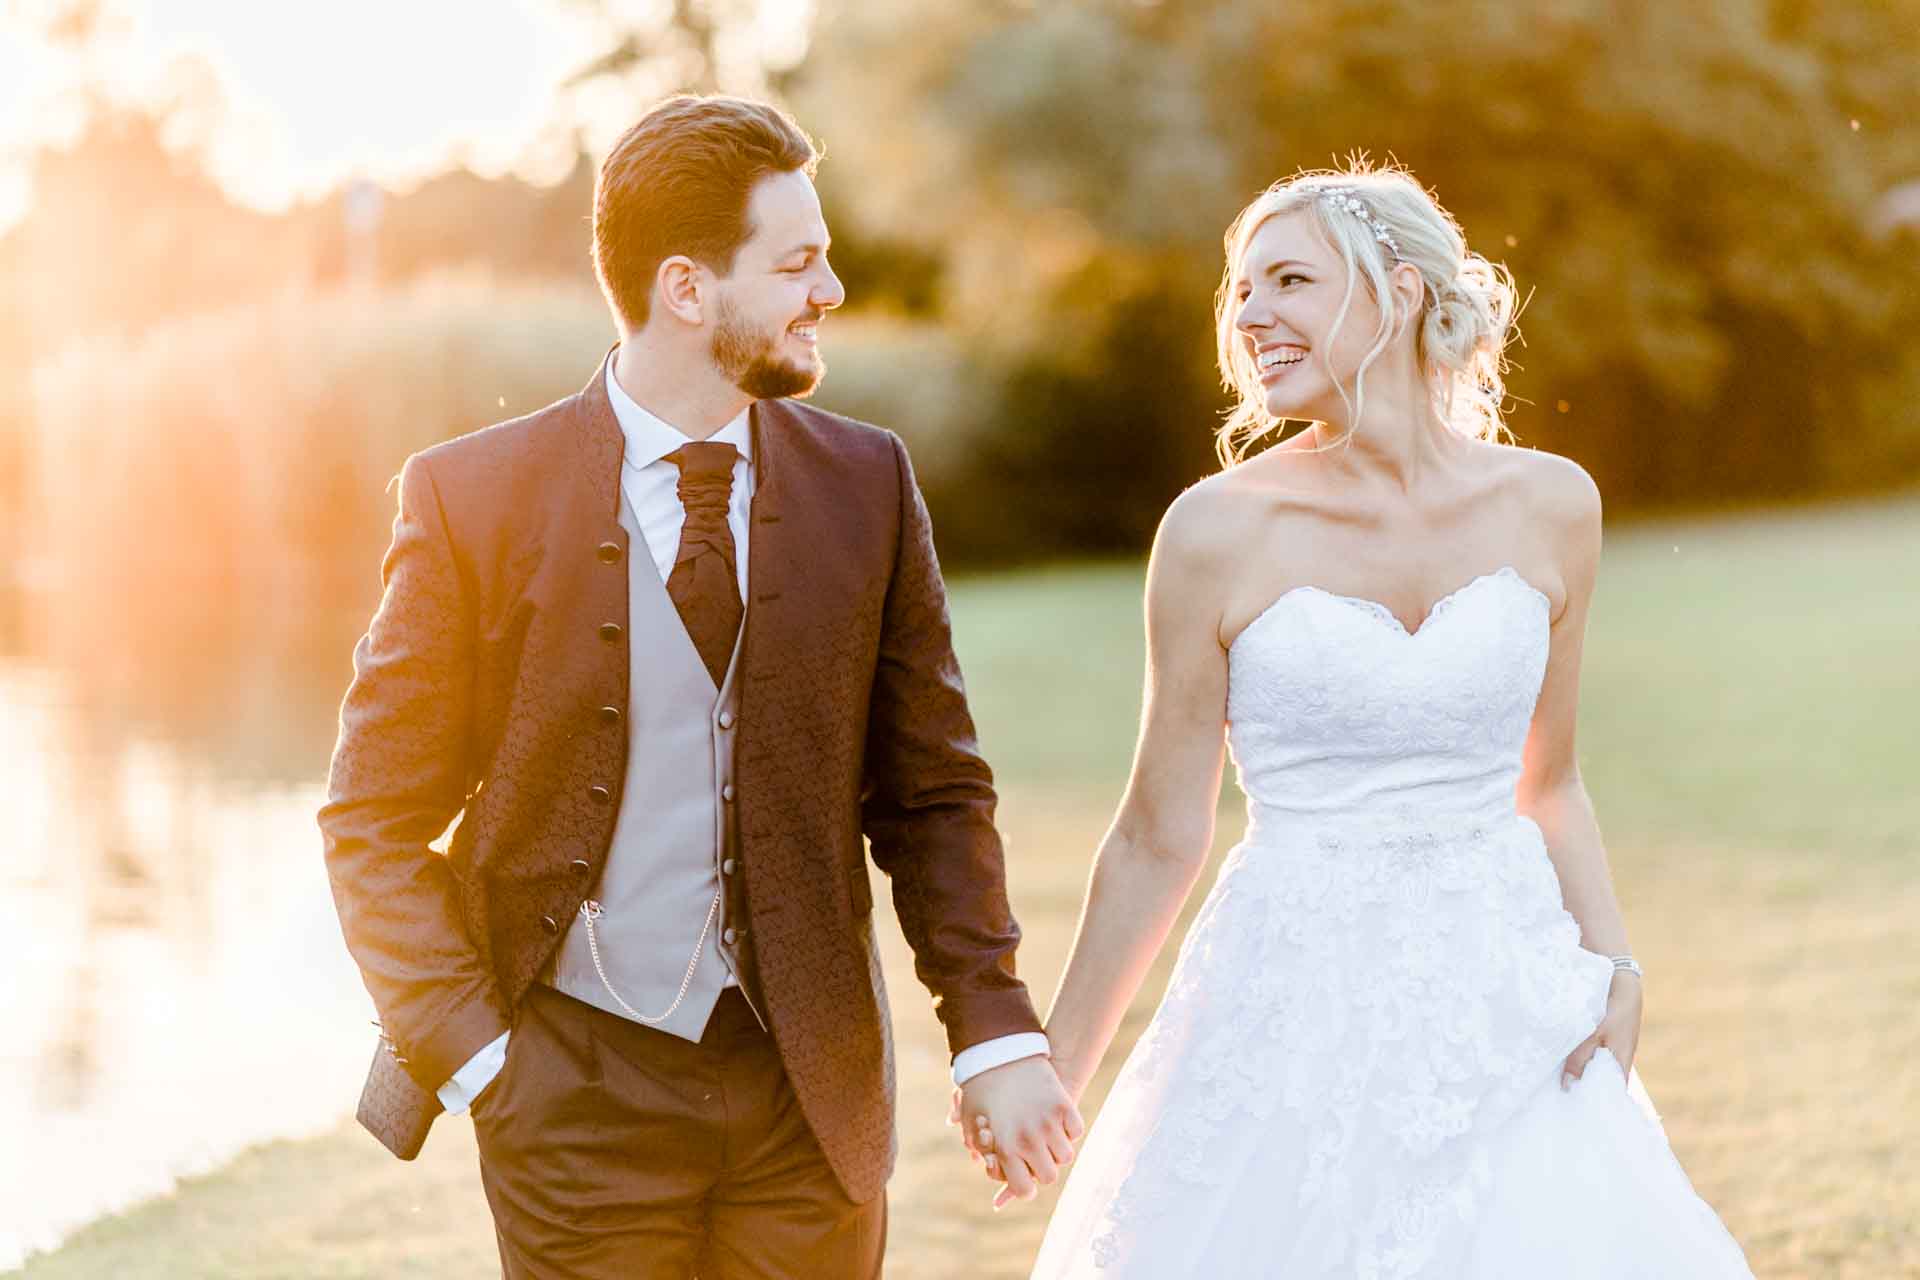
(1680, 188)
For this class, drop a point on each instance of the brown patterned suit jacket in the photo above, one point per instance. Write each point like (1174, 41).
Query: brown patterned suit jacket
(491, 687)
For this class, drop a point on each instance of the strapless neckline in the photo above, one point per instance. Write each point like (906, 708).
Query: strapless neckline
(1386, 615)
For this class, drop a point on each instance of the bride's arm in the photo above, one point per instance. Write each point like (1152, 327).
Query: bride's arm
(1160, 837)
(1551, 791)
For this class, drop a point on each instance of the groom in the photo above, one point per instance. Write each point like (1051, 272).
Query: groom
(663, 653)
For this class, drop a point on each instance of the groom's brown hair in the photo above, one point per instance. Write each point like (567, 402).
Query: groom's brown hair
(678, 183)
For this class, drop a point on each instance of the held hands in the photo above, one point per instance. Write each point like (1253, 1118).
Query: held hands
(1619, 1031)
(1020, 1123)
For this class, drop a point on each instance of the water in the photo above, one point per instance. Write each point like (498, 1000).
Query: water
(178, 987)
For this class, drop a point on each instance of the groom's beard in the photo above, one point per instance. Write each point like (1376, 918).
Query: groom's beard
(751, 359)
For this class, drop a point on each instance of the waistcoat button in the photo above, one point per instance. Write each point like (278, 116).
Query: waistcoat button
(610, 632)
(599, 793)
(581, 866)
(609, 715)
(549, 924)
(609, 553)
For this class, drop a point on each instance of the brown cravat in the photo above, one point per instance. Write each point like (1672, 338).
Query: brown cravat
(704, 584)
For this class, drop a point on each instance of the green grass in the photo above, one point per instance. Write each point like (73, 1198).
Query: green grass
(1748, 731)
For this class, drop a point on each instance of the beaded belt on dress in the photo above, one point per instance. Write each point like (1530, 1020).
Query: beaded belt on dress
(1387, 824)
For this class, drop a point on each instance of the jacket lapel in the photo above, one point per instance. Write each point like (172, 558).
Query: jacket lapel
(597, 543)
(600, 447)
(768, 539)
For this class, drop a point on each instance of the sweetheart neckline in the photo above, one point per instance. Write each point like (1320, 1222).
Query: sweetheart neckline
(1387, 615)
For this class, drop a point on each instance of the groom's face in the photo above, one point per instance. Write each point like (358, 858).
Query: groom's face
(766, 338)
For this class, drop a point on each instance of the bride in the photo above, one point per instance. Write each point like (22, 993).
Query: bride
(1400, 1036)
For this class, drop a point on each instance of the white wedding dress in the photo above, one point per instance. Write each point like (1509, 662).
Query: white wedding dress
(1356, 1068)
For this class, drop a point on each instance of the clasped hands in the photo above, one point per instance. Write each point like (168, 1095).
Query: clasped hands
(1020, 1123)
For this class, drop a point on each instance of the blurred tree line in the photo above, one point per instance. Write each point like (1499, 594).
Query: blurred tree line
(1028, 201)
(1685, 191)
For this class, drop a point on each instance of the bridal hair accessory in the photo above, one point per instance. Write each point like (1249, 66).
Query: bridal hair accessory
(1627, 964)
(1344, 198)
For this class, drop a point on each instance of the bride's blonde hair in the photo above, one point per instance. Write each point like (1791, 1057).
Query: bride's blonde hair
(1466, 309)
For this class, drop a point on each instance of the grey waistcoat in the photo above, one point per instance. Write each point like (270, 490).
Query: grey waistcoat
(674, 832)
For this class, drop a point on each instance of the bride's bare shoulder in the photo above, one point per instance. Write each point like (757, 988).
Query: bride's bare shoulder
(1217, 516)
(1240, 501)
(1555, 498)
(1552, 487)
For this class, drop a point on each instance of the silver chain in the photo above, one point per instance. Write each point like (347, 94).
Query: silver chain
(591, 911)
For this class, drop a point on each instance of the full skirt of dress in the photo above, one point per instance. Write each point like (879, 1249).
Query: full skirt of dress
(1355, 1072)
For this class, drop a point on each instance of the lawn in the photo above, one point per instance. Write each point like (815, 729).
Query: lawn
(1751, 700)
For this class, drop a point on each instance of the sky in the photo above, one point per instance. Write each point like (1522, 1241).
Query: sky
(391, 90)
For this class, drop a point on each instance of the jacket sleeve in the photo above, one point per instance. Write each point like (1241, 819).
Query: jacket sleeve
(928, 802)
(397, 780)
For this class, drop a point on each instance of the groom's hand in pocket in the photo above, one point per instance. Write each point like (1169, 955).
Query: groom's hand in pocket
(1031, 1125)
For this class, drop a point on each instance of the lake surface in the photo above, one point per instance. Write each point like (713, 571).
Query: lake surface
(177, 987)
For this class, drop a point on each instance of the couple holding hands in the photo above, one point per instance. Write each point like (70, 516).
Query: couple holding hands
(670, 655)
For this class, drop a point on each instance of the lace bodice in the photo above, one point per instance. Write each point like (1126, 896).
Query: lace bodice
(1336, 711)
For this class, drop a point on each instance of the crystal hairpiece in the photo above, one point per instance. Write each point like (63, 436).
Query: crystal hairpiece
(1344, 198)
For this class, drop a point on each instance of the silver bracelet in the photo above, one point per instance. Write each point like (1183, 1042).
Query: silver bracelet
(1627, 964)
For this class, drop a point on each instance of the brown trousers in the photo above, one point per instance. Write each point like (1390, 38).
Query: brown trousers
(611, 1149)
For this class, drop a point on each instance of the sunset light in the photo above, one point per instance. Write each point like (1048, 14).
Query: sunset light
(289, 101)
(1004, 639)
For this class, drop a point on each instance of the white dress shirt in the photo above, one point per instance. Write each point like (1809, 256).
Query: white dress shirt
(651, 485)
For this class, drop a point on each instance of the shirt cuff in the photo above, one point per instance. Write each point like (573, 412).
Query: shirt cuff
(998, 1052)
(457, 1094)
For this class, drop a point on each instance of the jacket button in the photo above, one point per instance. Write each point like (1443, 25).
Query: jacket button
(728, 867)
(600, 793)
(581, 866)
(549, 924)
(610, 632)
(609, 553)
(730, 936)
(727, 793)
(726, 719)
(609, 715)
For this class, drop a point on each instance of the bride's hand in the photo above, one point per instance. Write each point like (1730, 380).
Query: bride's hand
(1017, 1120)
(1072, 1078)
(1619, 1031)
